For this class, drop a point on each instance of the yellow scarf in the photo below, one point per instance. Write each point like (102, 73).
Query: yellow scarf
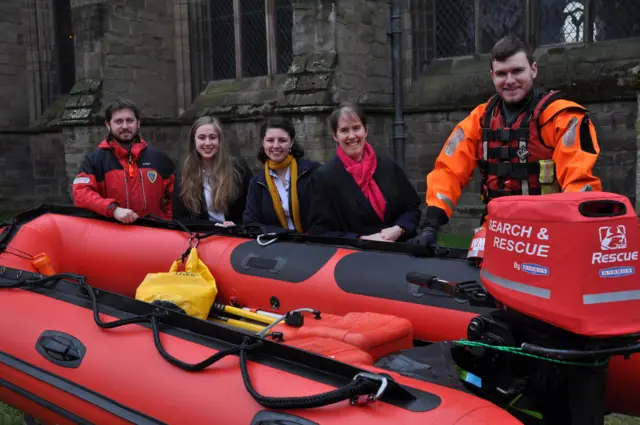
(293, 187)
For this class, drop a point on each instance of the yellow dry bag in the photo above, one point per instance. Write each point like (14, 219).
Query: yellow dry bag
(192, 290)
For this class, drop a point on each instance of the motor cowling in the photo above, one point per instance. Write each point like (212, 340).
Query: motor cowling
(568, 259)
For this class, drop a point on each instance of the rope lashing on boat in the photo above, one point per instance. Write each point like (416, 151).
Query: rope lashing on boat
(22, 254)
(37, 280)
(217, 229)
(364, 388)
(520, 352)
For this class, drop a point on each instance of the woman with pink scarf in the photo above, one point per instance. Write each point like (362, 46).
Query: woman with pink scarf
(359, 194)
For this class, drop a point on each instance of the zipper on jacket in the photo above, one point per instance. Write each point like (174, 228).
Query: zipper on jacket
(144, 194)
(130, 166)
(126, 186)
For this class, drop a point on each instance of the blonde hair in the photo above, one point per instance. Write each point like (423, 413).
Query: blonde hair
(223, 176)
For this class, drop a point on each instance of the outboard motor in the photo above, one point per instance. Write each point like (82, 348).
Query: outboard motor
(475, 253)
(562, 270)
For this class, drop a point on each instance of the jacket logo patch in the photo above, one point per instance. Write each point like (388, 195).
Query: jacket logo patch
(82, 180)
(454, 141)
(152, 176)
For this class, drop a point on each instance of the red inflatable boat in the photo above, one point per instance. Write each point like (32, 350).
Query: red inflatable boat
(368, 306)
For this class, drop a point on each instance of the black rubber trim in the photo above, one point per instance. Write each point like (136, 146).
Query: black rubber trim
(371, 274)
(44, 403)
(207, 227)
(306, 364)
(269, 417)
(285, 261)
(79, 391)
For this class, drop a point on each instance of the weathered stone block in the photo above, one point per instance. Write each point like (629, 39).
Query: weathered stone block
(87, 85)
(290, 84)
(123, 12)
(76, 114)
(298, 64)
(322, 62)
(313, 82)
(149, 16)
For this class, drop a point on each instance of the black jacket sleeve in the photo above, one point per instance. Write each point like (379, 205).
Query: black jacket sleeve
(323, 215)
(236, 209)
(178, 208)
(409, 203)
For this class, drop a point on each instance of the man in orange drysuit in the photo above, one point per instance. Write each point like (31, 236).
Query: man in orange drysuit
(525, 142)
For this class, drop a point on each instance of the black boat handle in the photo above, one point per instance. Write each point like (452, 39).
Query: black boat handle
(61, 348)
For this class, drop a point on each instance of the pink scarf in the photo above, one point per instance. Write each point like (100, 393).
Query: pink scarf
(362, 173)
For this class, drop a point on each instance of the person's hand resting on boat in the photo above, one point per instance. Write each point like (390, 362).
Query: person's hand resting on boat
(226, 224)
(125, 215)
(373, 237)
(391, 234)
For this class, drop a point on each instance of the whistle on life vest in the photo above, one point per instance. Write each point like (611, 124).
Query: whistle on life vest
(43, 265)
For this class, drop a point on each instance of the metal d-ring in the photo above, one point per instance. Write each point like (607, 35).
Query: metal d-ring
(371, 397)
(275, 238)
(191, 239)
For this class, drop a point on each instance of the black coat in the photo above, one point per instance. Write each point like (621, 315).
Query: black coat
(259, 208)
(181, 213)
(340, 209)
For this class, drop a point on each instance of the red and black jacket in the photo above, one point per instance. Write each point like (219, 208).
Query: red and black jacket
(141, 180)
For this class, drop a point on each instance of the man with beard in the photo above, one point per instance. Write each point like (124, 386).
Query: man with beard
(524, 141)
(124, 177)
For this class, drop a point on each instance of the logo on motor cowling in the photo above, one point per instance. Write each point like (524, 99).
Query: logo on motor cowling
(613, 237)
(617, 271)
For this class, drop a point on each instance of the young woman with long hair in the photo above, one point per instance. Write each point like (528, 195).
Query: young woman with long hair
(211, 185)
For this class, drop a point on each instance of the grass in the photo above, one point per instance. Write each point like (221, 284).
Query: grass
(9, 415)
(3, 217)
(454, 241)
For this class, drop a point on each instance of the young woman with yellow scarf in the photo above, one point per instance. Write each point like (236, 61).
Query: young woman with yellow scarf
(277, 195)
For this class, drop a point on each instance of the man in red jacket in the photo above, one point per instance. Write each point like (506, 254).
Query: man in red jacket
(125, 178)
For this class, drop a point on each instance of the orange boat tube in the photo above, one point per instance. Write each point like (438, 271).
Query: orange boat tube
(56, 364)
(275, 276)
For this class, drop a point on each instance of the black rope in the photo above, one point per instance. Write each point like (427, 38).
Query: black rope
(178, 223)
(351, 391)
(358, 387)
(39, 280)
(189, 367)
(114, 323)
(24, 256)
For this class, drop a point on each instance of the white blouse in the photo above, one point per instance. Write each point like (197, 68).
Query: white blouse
(217, 216)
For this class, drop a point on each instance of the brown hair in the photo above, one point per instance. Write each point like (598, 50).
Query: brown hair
(118, 105)
(283, 124)
(509, 46)
(223, 177)
(353, 108)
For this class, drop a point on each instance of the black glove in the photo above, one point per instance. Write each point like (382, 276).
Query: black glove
(426, 238)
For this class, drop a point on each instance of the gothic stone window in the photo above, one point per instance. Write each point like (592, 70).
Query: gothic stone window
(450, 28)
(232, 39)
(50, 53)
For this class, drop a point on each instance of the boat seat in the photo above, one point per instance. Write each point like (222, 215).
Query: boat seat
(376, 334)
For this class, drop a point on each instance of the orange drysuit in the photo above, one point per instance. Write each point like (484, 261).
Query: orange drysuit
(553, 138)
